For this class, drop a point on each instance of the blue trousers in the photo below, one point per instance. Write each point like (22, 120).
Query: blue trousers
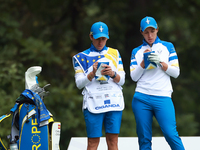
(144, 108)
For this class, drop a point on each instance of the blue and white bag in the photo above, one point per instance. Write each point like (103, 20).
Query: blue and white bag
(32, 125)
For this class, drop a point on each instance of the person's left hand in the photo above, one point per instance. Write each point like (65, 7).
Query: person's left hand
(107, 70)
(153, 57)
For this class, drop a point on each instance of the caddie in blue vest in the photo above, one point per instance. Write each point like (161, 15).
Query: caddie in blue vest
(152, 65)
(99, 71)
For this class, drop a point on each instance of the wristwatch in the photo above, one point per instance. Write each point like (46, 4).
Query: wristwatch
(115, 74)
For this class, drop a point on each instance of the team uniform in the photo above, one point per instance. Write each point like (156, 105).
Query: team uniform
(102, 97)
(153, 94)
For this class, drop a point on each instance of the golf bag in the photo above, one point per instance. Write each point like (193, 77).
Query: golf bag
(33, 127)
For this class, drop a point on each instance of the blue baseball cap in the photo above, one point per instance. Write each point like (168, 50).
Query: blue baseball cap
(148, 22)
(99, 29)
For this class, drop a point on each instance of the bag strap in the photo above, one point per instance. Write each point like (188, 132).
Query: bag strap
(12, 110)
(2, 146)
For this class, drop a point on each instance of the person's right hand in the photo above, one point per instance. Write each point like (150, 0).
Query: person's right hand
(91, 75)
(147, 50)
(142, 63)
(95, 68)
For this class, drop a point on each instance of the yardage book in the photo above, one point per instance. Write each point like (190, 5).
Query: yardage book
(148, 65)
(98, 75)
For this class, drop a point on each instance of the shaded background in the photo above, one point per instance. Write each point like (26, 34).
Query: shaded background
(48, 33)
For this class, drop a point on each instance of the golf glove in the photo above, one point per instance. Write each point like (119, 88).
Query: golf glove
(153, 57)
